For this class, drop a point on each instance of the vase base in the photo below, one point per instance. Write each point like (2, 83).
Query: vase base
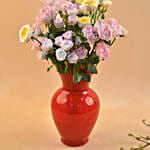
(74, 143)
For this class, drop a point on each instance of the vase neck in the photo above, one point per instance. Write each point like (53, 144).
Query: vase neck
(68, 84)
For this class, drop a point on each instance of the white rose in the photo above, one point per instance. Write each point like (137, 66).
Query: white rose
(72, 58)
(25, 33)
(61, 54)
(47, 44)
(66, 45)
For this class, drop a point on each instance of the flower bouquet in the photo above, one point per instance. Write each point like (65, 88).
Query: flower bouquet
(73, 35)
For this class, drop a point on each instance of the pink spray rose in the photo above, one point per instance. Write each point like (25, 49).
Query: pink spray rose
(115, 27)
(59, 23)
(72, 58)
(69, 8)
(58, 40)
(47, 44)
(103, 50)
(105, 32)
(61, 54)
(66, 45)
(46, 14)
(36, 29)
(68, 35)
(72, 19)
(81, 52)
(90, 33)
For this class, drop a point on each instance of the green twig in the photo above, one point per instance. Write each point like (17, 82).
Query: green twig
(144, 122)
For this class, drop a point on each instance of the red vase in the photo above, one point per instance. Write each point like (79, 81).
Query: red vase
(75, 109)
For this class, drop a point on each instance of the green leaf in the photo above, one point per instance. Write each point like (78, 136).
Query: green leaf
(76, 76)
(94, 59)
(86, 77)
(49, 68)
(87, 46)
(93, 69)
(47, 34)
(130, 134)
(148, 137)
(141, 147)
(132, 148)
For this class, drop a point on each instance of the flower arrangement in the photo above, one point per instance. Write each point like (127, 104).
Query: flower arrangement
(73, 35)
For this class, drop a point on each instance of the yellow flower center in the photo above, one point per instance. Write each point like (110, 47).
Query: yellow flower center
(84, 19)
(24, 32)
(90, 2)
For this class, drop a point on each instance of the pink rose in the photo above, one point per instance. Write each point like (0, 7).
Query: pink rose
(66, 45)
(103, 50)
(59, 23)
(81, 52)
(69, 8)
(90, 33)
(68, 35)
(58, 40)
(47, 13)
(72, 20)
(115, 27)
(36, 29)
(105, 32)
(47, 44)
(72, 58)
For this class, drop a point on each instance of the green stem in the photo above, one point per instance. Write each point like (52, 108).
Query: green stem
(144, 122)
(99, 14)
(95, 17)
(92, 16)
(34, 38)
(66, 18)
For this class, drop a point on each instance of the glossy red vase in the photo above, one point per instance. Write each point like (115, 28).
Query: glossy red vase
(75, 109)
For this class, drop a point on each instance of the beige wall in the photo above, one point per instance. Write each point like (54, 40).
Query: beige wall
(25, 87)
